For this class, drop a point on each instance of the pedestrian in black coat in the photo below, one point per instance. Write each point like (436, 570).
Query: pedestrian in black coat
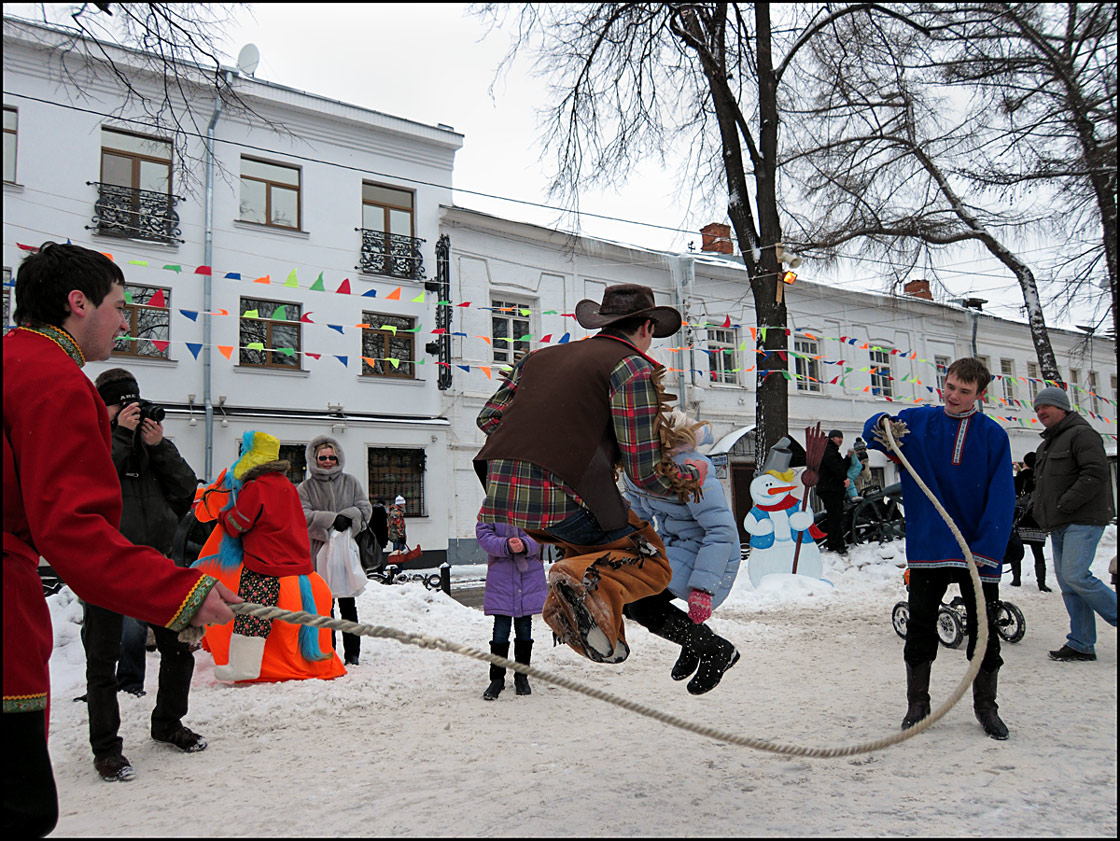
(833, 478)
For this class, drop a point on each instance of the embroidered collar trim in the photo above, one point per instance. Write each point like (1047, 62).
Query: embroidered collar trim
(61, 338)
(975, 408)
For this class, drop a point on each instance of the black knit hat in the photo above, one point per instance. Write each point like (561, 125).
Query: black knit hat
(115, 385)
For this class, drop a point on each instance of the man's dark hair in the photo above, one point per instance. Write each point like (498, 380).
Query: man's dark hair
(969, 369)
(46, 278)
(630, 325)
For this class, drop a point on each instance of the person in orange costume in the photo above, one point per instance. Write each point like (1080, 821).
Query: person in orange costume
(260, 547)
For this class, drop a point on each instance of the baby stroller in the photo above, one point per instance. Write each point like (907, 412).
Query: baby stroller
(1010, 623)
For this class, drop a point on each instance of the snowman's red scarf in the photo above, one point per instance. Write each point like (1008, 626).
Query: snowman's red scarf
(789, 502)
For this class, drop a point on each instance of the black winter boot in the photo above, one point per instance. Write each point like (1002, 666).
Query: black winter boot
(522, 653)
(917, 693)
(714, 655)
(497, 673)
(686, 664)
(985, 706)
(1040, 575)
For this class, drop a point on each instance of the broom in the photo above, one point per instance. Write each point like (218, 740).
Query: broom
(815, 442)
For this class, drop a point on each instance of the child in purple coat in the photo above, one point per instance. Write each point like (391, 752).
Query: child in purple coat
(515, 590)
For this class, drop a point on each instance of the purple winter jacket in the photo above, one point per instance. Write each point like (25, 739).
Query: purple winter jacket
(515, 584)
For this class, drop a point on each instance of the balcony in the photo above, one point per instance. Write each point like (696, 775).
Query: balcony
(140, 214)
(391, 254)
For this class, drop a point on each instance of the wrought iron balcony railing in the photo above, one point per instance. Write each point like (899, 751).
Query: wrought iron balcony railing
(391, 254)
(128, 212)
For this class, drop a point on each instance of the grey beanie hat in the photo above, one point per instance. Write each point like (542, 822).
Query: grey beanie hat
(1053, 396)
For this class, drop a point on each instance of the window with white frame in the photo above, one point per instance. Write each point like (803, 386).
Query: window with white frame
(1094, 402)
(1075, 387)
(11, 122)
(722, 355)
(8, 292)
(1007, 372)
(1032, 380)
(987, 363)
(509, 321)
(807, 368)
(882, 383)
(941, 364)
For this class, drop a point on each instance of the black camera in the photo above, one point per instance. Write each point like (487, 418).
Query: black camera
(148, 409)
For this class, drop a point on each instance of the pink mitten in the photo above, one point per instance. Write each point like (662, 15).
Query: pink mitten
(699, 606)
(701, 467)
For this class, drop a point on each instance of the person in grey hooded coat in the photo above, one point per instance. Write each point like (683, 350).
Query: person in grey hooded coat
(333, 501)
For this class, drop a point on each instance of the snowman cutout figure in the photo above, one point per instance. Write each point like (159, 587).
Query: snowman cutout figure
(777, 524)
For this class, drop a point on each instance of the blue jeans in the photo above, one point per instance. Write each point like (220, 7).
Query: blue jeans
(1074, 548)
(582, 529)
(131, 666)
(522, 626)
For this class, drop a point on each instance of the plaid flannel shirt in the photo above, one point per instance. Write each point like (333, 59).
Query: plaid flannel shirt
(521, 493)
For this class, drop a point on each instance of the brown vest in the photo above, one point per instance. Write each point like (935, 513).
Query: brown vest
(560, 420)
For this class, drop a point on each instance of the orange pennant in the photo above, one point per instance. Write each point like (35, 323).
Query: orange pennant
(395, 295)
(225, 350)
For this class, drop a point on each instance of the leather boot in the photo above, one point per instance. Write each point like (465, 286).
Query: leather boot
(497, 673)
(1040, 575)
(686, 664)
(917, 693)
(714, 655)
(985, 706)
(522, 653)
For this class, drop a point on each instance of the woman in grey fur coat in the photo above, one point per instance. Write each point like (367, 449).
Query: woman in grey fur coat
(333, 500)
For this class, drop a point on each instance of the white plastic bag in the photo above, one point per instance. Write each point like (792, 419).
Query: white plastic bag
(340, 564)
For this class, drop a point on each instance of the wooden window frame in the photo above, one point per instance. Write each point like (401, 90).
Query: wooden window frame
(407, 369)
(384, 481)
(812, 367)
(268, 185)
(269, 347)
(411, 209)
(14, 132)
(137, 157)
(132, 348)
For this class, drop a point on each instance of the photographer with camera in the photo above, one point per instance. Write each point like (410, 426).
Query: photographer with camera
(157, 489)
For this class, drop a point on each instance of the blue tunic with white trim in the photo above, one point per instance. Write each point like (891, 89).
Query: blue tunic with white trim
(966, 462)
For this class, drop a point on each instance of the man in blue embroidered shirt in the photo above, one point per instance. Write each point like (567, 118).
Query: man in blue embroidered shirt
(964, 457)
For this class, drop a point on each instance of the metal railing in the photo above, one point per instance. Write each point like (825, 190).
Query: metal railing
(129, 212)
(391, 254)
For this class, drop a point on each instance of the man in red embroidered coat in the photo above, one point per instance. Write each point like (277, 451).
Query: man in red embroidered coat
(62, 500)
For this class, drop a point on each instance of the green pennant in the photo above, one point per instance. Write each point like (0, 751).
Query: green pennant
(317, 286)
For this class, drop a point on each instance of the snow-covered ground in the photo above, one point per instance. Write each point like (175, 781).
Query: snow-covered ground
(404, 744)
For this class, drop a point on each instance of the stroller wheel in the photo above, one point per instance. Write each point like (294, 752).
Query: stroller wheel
(900, 617)
(949, 628)
(1010, 623)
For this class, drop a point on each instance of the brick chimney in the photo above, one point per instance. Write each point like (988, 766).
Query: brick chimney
(918, 289)
(717, 237)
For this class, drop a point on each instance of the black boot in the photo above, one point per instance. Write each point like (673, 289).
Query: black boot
(522, 653)
(497, 673)
(714, 654)
(1040, 575)
(985, 706)
(917, 693)
(686, 664)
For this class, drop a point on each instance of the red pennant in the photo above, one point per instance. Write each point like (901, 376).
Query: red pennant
(157, 301)
(344, 287)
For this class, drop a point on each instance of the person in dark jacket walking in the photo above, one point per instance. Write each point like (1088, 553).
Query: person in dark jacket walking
(515, 591)
(1029, 532)
(333, 501)
(1073, 501)
(830, 487)
(157, 489)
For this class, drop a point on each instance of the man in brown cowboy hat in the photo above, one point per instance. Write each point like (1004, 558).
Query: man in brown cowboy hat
(558, 427)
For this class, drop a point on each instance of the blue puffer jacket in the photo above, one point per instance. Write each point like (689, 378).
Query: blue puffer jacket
(515, 584)
(700, 537)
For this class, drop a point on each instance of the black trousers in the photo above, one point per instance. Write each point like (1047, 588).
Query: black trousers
(834, 524)
(652, 611)
(30, 795)
(101, 635)
(351, 643)
(927, 589)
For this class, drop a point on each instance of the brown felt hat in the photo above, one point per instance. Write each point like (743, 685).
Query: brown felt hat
(625, 301)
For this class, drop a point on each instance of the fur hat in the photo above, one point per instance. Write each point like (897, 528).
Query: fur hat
(624, 301)
(398, 501)
(1053, 396)
(257, 448)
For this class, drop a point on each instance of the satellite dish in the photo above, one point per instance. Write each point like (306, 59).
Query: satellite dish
(248, 59)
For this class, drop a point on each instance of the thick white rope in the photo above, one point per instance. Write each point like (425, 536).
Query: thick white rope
(428, 641)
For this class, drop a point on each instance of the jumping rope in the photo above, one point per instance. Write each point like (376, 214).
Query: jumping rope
(432, 642)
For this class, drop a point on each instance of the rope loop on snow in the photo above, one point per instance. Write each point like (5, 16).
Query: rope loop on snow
(432, 642)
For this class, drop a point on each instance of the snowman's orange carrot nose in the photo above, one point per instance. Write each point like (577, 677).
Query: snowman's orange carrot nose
(783, 489)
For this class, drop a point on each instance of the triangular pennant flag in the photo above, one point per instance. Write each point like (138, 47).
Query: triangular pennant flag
(194, 348)
(306, 318)
(191, 314)
(127, 295)
(137, 262)
(292, 281)
(370, 294)
(203, 270)
(255, 346)
(267, 279)
(161, 345)
(391, 327)
(370, 361)
(157, 299)
(464, 367)
(233, 276)
(317, 286)
(225, 350)
(342, 359)
(485, 370)
(280, 313)
(565, 339)
(395, 295)
(250, 314)
(315, 356)
(337, 327)
(396, 363)
(287, 351)
(546, 339)
(344, 287)
(464, 304)
(419, 299)
(727, 322)
(170, 268)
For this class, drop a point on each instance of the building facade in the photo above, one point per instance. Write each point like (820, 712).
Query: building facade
(300, 305)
